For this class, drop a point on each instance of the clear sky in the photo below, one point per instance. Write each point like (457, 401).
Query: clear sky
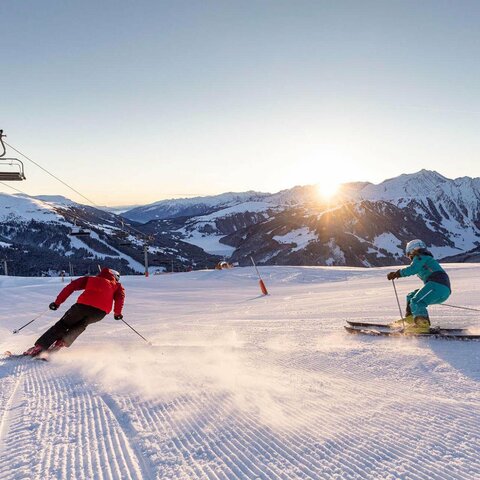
(135, 101)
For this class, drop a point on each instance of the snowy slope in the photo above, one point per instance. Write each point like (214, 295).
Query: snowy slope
(187, 207)
(449, 205)
(35, 239)
(367, 224)
(19, 207)
(239, 386)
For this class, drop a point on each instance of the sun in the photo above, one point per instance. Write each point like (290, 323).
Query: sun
(327, 190)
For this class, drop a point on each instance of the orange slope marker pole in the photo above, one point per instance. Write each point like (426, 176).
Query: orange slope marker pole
(263, 288)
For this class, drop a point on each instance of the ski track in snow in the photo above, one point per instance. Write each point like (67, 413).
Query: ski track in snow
(244, 387)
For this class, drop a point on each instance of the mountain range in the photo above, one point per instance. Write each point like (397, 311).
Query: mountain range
(365, 224)
(40, 236)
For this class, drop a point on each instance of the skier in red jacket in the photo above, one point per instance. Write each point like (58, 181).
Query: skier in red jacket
(93, 304)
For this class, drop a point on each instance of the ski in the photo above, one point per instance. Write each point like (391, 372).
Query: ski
(368, 324)
(455, 331)
(398, 333)
(8, 355)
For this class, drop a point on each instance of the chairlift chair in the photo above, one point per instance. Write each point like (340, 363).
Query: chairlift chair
(11, 169)
(122, 237)
(77, 231)
(123, 241)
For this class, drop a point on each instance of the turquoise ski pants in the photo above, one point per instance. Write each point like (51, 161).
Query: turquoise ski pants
(429, 294)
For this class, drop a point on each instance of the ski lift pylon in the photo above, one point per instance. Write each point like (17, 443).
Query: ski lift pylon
(11, 169)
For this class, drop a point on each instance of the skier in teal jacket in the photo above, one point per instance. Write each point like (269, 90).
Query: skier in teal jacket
(436, 287)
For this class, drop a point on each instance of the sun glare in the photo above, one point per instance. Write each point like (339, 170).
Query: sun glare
(327, 190)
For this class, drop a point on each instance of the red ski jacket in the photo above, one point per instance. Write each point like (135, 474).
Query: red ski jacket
(100, 292)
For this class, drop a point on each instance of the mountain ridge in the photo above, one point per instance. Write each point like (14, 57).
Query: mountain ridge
(445, 211)
(366, 224)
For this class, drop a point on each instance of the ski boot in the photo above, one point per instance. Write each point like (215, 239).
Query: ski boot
(403, 322)
(57, 346)
(33, 351)
(421, 325)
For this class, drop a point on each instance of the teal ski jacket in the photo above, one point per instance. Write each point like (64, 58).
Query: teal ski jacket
(427, 269)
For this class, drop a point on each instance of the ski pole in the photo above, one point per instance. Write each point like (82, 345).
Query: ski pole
(398, 303)
(461, 308)
(263, 288)
(139, 334)
(31, 321)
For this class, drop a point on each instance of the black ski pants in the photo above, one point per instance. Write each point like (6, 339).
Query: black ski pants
(71, 325)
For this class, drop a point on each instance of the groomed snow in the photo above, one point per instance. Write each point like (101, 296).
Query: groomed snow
(240, 386)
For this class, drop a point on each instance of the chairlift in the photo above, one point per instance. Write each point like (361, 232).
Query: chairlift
(124, 242)
(123, 237)
(77, 231)
(11, 169)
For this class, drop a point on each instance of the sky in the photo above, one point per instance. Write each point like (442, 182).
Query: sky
(134, 102)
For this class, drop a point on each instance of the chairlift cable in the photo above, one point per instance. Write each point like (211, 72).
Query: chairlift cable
(145, 236)
(13, 188)
(54, 176)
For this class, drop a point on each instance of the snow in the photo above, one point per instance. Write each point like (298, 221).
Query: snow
(209, 243)
(133, 264)
(77, 243)
(26, 209)
(252, 207)
(421, 184)
(174, 207)
(389, 242)
(240, 386)
(301, 236)
(338, 257)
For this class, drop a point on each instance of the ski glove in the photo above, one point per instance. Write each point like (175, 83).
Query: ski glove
(394, 275)
(118, 317)
(53, 306)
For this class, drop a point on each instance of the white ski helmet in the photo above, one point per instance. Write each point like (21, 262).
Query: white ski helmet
(413, 245)
(115, 274)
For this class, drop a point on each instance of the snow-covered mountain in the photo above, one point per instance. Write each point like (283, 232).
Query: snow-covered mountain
(36, 239)
(366, 224)
(189, 207)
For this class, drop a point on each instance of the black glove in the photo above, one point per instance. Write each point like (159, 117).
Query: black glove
(394, 275)
(118, 317)
(53, 306)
